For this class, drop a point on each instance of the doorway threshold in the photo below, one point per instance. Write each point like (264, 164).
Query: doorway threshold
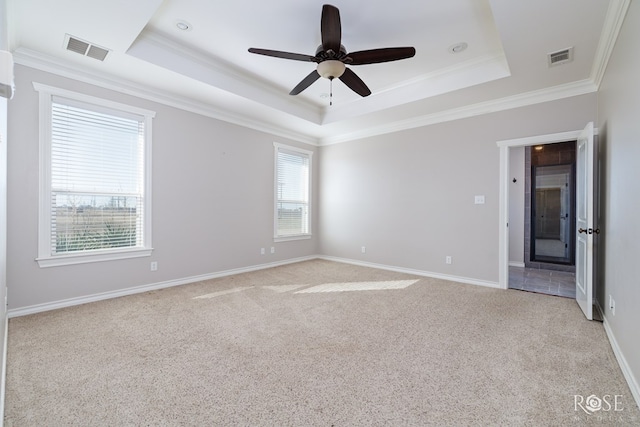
(550, 282)
(597, 314)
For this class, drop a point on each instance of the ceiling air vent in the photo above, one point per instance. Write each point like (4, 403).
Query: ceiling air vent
(560, 57)
(82, 47)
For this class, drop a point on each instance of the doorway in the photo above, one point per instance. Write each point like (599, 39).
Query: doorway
(550, 190)
(549, 223)
(586, 197)
(509, 180)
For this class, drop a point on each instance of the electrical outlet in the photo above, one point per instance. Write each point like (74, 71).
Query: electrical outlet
(363, 249)
(262, 251)
(273, 249)
(154, 265)
(447, 260)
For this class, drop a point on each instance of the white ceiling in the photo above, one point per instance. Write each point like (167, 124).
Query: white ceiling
(208, 69)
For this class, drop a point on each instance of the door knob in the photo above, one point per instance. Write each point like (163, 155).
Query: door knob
(589, 231)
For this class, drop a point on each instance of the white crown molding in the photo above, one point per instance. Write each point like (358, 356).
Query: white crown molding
(44, 63)
(613, 23)
(51, 65)
(166, 53)
(521, 100)
(476, 71)
(473, 65)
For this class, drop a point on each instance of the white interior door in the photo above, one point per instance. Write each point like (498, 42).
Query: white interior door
(584, 221)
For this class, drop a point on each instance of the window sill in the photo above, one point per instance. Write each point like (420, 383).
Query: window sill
(97, 256)
(289, 238)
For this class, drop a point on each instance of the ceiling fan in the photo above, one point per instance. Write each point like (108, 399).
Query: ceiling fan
(331, 56)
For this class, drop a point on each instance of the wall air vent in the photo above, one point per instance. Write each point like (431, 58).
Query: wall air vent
(560, 57)
(84, 48)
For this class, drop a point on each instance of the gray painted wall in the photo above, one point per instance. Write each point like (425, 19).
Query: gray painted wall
(619, 111)
(409, 196)
(3, 243)
(212, 201)
(3, 213)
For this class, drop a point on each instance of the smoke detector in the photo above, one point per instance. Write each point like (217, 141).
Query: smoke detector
(560, 57)
(85, 48)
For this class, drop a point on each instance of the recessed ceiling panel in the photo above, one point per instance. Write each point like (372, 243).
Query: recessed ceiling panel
(225, 30)
(194, 54)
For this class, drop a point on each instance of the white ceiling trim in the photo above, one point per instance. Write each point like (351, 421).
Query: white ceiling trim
(612, 24)
(48, 64)
(521, 100)
(166, 53)
(214, 87)
(476, 71)
(51, 65)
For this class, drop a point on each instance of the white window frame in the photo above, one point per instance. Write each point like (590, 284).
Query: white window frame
(309, 154)
(45, 257)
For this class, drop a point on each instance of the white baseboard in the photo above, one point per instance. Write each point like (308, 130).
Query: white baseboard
(622, 361)
(3, 380)
(38, 308)
(516, 264)
(459, 279)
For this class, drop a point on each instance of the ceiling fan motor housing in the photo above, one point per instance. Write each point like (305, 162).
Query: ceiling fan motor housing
(330, 54)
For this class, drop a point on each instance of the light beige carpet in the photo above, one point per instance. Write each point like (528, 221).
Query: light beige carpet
(252, 350)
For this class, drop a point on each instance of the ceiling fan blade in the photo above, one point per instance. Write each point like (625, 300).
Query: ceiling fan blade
(330, 28)
(284, 55)
(305, 83)
(375, 56)
(354, 83)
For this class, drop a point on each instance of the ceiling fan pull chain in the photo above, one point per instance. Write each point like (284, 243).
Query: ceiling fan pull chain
(330, 91)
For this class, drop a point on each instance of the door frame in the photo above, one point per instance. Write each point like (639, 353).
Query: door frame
(503, 214)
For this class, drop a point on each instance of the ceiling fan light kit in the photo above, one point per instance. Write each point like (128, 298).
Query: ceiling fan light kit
(332, 57)
(331, 69)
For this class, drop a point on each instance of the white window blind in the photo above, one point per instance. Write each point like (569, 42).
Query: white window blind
(293, 168)
(97, 178)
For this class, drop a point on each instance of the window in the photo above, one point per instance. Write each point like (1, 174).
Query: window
(94, 179)
(292, 191)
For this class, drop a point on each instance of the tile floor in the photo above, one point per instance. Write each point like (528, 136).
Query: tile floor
(560, 283)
